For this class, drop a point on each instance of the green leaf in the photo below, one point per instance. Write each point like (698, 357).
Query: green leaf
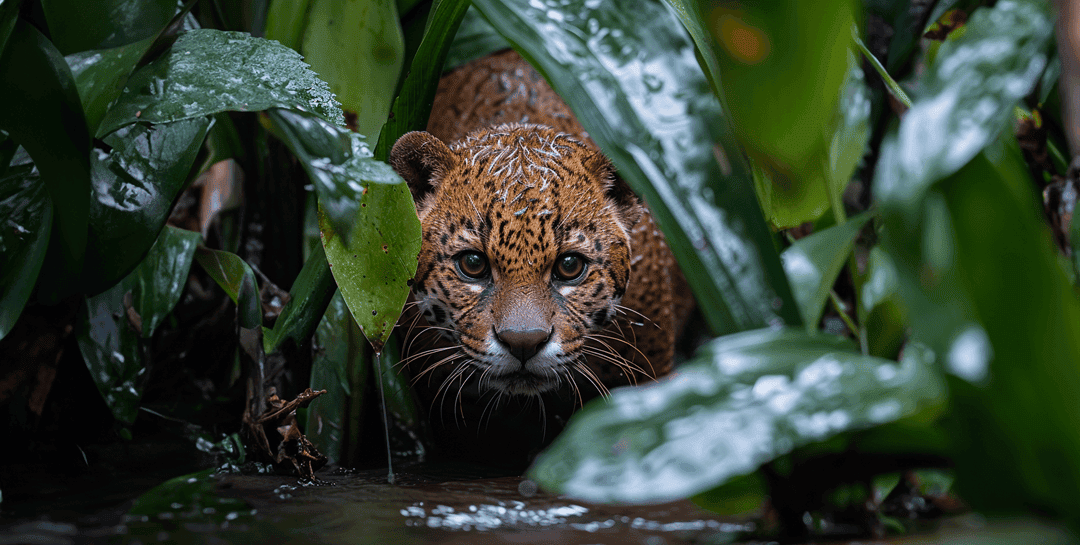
(157, 283)
(812, 264)
(209, 71)
(339, 365)
(339, 164)
(285, 22)
(134, 188)
(310, 293)
(24, 237)
(375, 269)
(802, 57)
(234, 276)
(100, 75)
(9, 13)
(630, 74)
(965, 100)
(112, 350)
(104, 24)
(475, 38)
(412, 107)
(43, 114)
(742, 401)
(350, 42)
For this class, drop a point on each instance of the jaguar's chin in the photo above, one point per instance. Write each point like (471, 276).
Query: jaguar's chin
(521, 383)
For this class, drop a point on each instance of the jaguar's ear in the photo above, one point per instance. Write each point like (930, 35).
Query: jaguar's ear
(626, 201)
(422, 160)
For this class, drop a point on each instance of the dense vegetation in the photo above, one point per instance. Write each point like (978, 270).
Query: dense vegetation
(927, 329)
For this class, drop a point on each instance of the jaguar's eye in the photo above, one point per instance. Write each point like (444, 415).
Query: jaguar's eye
(569, 267)
(472, 265)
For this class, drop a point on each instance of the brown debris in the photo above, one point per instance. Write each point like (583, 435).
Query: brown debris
(293, 446)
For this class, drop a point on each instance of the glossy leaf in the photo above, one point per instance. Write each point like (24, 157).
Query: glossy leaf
(309, 296)
(209, 71)
(966, 98)
(159, 280)
(812, 264)
(375, 269)
(338, 162)
(801, 55)
(100, 75)
(76, 25)
(114, 355)
(26, 212)
(340, 366)
(412, 107)
(631, 76)
(134, 187)
(234, 276)
(742, 401)
(350, 42)
(49, 123)
(9, 13)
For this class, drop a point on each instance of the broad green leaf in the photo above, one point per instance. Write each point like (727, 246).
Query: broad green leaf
(801, 55)
(881, 279)
(100, 75)
(188, 500)
(812, 264)
(339, 365)
(630, 75)
(474, 38)
(234, 276)
(42, 113)
(851, 131)
(134, 187)
(339, 164)
(351, 42)
(285, 22)
(24, 236)
(76, 25)
(309, 295)
(742, 401)
(412, 107)
(9, 13)
(375, 269)
(210, 71)
(965, 100)
(692, 16)
(157, 283)
(114, 354)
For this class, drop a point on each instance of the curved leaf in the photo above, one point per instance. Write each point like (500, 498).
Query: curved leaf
(234, 276)
(134, 187)
(43, 114)
(812, 264)
(474, 38)
(375, 269)
(157, 283)
(76, 25)
(26, 212)
(101, 74)
(631, 76)
(210, 71)
(114, 354)
(742, 401)
(309, 295)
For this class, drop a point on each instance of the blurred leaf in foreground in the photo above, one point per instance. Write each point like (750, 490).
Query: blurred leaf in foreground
(24, 236)
(812, 264)
(742, 401)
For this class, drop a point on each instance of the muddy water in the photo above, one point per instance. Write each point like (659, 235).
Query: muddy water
(360, 507)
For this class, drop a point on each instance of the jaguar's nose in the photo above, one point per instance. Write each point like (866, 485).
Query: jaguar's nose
(524, 343)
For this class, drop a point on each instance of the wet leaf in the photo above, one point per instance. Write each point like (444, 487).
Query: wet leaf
(50, 125)
(965, 100)
(114, 355)
(188, 500)
(630, 75)
(350, 42)
(308, 297)
(812, 264)
(742, 401)
(24, 236)
(412, 107)
(339, 365)
(374, 270)
(209, 71)
(803, 60)
(100, 75)
(159, 280)
(134, 188)
(234, 276)
(104, 24)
